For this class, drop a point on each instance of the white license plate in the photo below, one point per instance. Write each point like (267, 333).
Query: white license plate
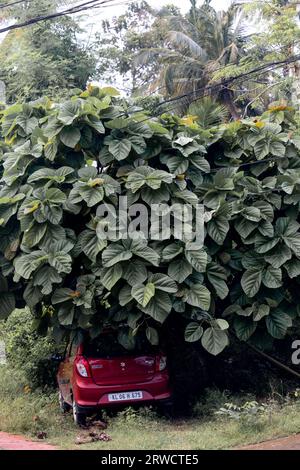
(125, 396)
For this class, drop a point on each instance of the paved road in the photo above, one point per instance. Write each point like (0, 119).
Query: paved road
(14, 442)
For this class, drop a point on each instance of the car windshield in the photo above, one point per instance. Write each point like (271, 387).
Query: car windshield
(107, 346)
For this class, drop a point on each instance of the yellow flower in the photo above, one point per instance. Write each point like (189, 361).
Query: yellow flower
(259, 124)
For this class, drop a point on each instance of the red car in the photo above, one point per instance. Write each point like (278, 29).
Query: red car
(101, 373)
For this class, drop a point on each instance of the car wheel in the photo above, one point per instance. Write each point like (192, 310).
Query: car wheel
(79, 417)
(166, 408)
(64, 407)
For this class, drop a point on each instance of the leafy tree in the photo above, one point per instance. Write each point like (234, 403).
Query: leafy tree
(60, 161)
(276, 39)
(122, 37)
(47, 58)
(197, 46)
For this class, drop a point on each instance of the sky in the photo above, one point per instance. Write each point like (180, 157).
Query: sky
(185, 4)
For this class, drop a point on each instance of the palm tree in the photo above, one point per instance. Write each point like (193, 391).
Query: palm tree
(195, 47)
(207, 113)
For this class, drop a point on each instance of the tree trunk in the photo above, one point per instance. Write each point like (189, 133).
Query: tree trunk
(226, 97)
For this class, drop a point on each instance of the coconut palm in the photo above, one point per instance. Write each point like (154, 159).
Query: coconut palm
(195, 47)
(208, 113)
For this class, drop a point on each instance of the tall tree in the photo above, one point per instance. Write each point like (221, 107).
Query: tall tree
(47, 58)
(123, 37)
(195, 47)
(275, 37)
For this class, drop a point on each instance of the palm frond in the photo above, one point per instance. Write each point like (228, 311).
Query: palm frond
(145, 55)
(209, 113)
(186, 44)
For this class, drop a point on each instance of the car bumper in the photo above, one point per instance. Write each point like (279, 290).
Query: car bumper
(87, 394)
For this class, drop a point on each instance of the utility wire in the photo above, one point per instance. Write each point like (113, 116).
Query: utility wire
(75, 9)
(5, 5)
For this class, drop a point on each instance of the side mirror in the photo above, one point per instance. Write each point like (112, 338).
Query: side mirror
(57, 357)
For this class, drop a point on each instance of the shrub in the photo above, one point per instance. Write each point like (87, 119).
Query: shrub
(28, 351)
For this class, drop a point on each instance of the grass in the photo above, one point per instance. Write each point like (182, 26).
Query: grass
(25, 412)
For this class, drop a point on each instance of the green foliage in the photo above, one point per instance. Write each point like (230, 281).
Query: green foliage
(208, 113)
(193, 47)
(47, 58)
(55, 260)
(28, 351)
(122, 37)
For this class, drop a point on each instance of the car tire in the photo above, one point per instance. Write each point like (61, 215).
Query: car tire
(64, 407)
(78, 416)
(166, 408)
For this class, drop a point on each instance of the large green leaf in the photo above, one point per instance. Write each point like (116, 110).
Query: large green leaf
(177, 165)
(115, 253)
(61, 295)
(278, 256)
(152, 336)
(251, 281)
(45, 277)
(89, 244)
(27, 263)
(159, 307)
(179, 270)
(218, 228)
(244, 328)
(164, 283)
(171, 251)
(193, 332)
(198, 259)
(134, 272)
(110, 276)
(145, 175)
(143, 293)
(120, 149)
(34, 234)
(125, 295)
(277, 323)
(70, 136)
(198, 296)
(214, 340)
(293, 268)
(145, 252)
(217, 277)
(68, 112)
(272, 277)
(91, 195)
(66, 314)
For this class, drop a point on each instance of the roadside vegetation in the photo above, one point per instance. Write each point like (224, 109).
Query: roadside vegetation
(209, 115)
(218, 421)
